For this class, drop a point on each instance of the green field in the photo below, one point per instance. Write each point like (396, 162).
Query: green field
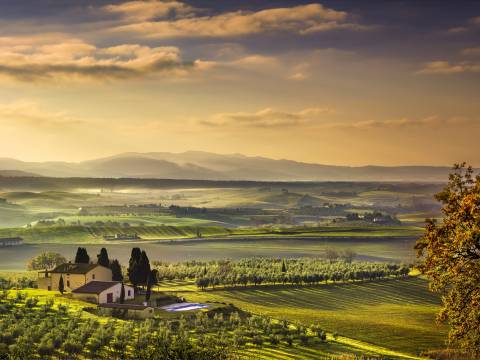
(335, 346)
(80, 234)
(395, 314)
(135, 220)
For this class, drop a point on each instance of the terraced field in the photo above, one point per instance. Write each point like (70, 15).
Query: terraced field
(398, 315)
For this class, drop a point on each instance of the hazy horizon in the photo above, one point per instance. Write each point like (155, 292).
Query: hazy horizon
(126, 153)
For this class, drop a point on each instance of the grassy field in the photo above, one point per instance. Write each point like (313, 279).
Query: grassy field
(394, 314)
(135, 220)
(338, 346)
(80, 234)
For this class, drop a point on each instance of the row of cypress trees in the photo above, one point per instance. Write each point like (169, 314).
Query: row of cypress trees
(139, 271)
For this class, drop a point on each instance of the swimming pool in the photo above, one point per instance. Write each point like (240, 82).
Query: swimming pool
(184, 307)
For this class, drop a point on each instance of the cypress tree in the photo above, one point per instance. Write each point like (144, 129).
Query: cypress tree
(134, 274)
(151, 282)
(61, 286)
(284, 266)
(144, 268)
(122, 294)
(82, 256)
(102, 258)
(116, 270)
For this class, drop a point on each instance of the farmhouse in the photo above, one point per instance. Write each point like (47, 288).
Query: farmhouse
(13, 241)
(130, 310)
(102, 292)
(122, 237)
(74, 276)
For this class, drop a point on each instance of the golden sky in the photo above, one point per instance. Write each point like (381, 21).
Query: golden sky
(331, 82)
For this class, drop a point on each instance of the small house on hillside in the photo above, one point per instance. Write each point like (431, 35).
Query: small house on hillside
(13, 241)
(102, 292)
(129, 310)
(122, 237)
(74, 276)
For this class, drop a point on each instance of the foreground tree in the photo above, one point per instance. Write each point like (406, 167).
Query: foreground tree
(45, 261)
(450, 257)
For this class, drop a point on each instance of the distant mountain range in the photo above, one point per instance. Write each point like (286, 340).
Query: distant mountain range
(198, 165)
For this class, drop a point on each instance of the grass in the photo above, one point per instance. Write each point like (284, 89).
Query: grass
(398, 315)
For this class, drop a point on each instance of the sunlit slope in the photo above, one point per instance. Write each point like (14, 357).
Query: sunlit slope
(395, 314)
(79, 234)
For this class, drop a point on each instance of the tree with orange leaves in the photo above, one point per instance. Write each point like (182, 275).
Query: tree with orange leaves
(449, 253)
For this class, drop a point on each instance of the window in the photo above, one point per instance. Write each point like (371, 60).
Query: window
(128, 292)
(68, 283)
(93, 276)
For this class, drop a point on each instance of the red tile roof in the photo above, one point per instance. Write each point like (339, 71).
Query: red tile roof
(73, 268)
(95, 287)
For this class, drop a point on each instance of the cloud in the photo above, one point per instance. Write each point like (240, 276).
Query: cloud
(267, 118)
(148, 10)
(473, 51)
(446, 67)
(405, 123)
(300, 72)
(302, 19)
(57, 57)
(32, 115)
(471, 24)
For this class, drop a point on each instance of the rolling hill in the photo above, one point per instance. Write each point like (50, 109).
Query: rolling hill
(208, 166)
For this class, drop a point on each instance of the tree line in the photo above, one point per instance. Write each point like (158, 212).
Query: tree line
(257, 271)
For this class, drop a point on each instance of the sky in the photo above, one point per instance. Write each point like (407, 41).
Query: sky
(333, 82)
